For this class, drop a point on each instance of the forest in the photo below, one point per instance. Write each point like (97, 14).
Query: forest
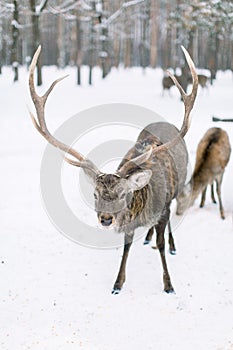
(104, 33)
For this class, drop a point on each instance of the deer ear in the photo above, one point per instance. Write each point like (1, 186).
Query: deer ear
(91, 176)
(139, 180)
(90, 170)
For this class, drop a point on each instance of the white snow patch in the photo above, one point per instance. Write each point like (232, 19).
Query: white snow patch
(55, 294)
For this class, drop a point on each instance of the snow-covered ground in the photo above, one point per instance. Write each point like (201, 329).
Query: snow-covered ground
(55, 294)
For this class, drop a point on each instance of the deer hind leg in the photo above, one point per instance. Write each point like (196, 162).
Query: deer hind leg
(212, 194)
(149, 235)
(203, 196)
(172, 248)
(160, 229)
(121, 274)
(219, 182)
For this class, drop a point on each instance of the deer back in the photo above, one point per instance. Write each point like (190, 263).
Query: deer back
(213, 153)
(169, 168)
(202, 79)
(167, 82)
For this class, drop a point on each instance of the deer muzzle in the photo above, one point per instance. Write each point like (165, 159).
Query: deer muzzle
(106, 220)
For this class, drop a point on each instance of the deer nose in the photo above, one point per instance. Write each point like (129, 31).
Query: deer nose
(106, 220)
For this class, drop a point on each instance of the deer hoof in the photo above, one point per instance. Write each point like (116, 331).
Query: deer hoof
(146, 242)
(172, 251)
(116, 291)
(169, 290)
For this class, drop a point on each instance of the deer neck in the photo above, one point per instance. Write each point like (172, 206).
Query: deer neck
(198, 185)
(138, 213)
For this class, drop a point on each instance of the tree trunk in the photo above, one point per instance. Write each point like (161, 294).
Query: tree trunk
(153, 30)
(90, 75)
(104, 53)
(79, 49)
(60, 40)
(91, 45)
(117, 51)
(15, 38)
(211, 58)
(142, 48)
(79, 81)
(127, 52)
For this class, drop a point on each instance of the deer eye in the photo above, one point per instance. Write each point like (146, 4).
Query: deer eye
(95, 196)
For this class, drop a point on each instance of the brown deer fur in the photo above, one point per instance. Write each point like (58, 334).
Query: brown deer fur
(212, 156)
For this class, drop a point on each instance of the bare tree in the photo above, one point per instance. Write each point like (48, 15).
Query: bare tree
(153, 30)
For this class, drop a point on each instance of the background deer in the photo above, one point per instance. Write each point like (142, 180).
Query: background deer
(213, 153)
(202, 80)
(151, 174)
(167, 82)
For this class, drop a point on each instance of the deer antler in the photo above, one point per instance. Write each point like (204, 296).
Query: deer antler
(40, 124)
(188, 104)
(187, 99)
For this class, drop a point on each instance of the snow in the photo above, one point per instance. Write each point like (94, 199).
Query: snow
(55, 294)
(16, 24)
(40, 7)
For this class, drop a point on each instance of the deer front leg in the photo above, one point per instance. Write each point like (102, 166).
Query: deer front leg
(121, 274)
(160, 228)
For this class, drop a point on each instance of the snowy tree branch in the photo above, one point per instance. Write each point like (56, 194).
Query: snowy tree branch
(124, 6)
(41, 7)
(69, 6)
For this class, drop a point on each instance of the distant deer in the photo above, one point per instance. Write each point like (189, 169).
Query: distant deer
(213, 153)
(167, 82)
(202, 80)
(151, 174)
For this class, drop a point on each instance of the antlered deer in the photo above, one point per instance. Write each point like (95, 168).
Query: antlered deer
(213, 153)
(152, 173)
